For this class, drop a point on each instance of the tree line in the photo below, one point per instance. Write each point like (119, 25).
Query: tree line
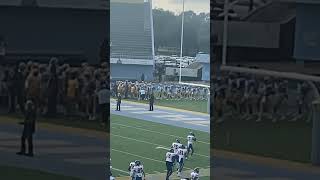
(167, 32)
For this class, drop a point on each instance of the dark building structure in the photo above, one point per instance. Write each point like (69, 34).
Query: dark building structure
(270, 33)
(72, 30)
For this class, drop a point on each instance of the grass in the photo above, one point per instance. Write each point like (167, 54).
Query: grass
(190, 105)
(14, 173)
(281, 140)
(133, 139)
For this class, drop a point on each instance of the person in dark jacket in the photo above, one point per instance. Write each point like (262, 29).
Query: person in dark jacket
(28, 129)
(53, 88)
(151, 102)
(18, 84)
(118, 102)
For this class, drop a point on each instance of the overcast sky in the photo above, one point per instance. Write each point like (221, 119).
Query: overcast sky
(176, 5)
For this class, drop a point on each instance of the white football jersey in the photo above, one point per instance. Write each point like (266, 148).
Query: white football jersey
(182, 153)
(194, 176)
(169, 156)
(190, 139)
(176, 146)
(132, 164)
(112, 178)
(137, 170)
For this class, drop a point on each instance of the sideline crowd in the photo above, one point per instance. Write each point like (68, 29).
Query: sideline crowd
(141, 90)
(55, 89)
(245, 96)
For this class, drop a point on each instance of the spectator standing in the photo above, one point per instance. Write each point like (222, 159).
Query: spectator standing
(103, 99)
(53, 89)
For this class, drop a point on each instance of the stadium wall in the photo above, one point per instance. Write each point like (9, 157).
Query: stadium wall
(54, 31)
(131, 72)
(307, 36)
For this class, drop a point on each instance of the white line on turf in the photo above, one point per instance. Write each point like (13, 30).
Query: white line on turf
(160, 147)
(154, 132)
(119, 170)
(143, 157)
(151, 143)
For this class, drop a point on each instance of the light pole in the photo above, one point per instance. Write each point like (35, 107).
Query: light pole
(181, 45)
(225, 32)
(226, 9)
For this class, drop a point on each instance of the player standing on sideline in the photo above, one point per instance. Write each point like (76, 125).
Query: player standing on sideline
(195, 174)
(138, 171)
(169, 163)
(182, 152)
(191, 138)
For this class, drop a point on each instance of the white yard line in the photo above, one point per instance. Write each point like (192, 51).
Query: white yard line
(143, 157)
(201, 155)
(119, 170)
(155, 132)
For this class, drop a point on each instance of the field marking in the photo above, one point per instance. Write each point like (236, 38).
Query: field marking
(160, 147)
(155, 132)
(164, 107)
(143, 157)
(119, 170)
(201, 155)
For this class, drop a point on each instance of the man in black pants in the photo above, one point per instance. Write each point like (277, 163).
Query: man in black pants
(28, 129)
(119, 102)
(151, 102)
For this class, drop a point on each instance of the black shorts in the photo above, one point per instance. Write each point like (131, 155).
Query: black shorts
(169, 165)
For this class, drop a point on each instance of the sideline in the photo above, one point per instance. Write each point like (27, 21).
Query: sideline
(165, 107)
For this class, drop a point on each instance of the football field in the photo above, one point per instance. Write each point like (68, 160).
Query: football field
(134, 139)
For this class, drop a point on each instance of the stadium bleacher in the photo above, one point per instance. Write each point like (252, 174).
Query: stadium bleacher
(132, 38)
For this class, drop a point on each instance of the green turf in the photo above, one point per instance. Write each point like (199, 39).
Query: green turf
(191, 105)
(14, 173)
(282, 140)
(133, 139)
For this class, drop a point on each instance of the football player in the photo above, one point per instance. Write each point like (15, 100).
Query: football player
(138, 172)
(182, 153)
(130, 169)
(195, 174)
(191, 139)
(169, 162)
(175, 146)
